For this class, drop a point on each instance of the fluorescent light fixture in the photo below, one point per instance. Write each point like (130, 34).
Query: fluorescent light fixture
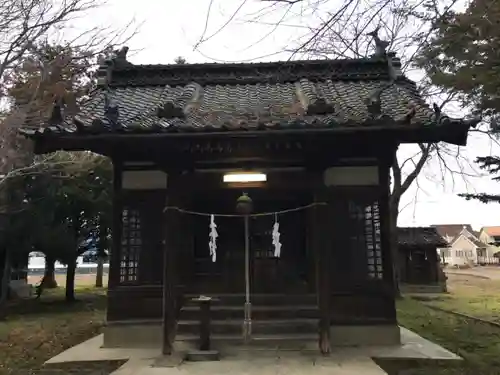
(245, 177)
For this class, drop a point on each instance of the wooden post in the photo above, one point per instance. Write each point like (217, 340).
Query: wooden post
(204, 303)
(205, 325)
(171, 243)
(168, 287)
(116, 226)
(389, 254)
(322, 245)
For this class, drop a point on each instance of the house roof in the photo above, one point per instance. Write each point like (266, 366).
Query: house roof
(332, 95)
(453, 230)
(492, 231)
(420, 236)
(475, 241)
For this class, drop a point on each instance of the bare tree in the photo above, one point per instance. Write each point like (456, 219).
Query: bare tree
(38, 61)
(40, 67)
(407, 26)
(341, 29)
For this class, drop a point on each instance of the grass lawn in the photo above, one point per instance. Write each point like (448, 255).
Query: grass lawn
(478, 343)
(37, 330)
(472, 296)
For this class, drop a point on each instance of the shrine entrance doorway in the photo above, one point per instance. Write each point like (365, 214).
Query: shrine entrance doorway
(286, 273)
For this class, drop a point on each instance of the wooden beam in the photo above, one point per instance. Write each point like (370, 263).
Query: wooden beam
(349, 141)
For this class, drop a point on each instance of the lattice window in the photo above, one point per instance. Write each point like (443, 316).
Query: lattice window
(372, 237)
(366, 238)
(131, 245)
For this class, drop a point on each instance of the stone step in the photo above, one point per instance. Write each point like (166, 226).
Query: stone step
(259, 327)
(237, 339)
(257, 299)
(220, 312)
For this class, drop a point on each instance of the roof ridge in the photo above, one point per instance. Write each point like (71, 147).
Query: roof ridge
(117, 73)
(270, 64)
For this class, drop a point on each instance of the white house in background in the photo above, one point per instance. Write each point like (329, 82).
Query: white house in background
(36, 262)
(465, 247)
(491, 237)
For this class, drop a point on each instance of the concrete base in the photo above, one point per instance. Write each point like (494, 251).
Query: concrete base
(412, 346)
(365, 335)
(133, 335)
(168, 361)
(150, 335)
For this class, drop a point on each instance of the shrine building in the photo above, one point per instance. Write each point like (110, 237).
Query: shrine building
(312, 141)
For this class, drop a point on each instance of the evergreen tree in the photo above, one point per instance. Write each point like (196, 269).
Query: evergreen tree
(463, 56)
(492, 165)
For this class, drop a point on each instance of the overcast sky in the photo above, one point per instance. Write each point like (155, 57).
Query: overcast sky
(172, 28)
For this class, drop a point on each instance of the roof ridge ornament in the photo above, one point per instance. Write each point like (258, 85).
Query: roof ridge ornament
(170, 110)
(320, 107)
(116, 58)
(374, 104)
(111, 111)
(56, 115)
(380, 45)
(110, 120)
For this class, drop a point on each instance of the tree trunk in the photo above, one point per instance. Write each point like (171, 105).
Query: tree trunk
(101, 253)
(49, 279)
(4, 281)
(394, 212)
(99, 272)
(70, 281)
(71, 270)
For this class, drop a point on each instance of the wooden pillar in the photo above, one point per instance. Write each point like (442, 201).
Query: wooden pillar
(116, 226)
(388, 261)
(323, 248)
(170, 250)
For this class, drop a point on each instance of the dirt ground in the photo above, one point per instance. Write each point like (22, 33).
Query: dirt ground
(490, 272)
(81, 280)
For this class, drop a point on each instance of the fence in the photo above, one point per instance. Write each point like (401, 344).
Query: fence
(488, 261)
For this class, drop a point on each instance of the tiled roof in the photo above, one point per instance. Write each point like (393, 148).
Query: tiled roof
(453, 230)
(420, 236)
(492, 231)
(476, 242)
(328, 94)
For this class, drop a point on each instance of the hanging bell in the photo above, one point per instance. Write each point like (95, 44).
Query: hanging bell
(244, 204)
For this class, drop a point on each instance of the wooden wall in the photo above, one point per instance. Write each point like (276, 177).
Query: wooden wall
(356, 296)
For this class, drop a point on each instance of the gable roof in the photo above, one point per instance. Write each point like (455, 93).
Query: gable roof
(475, 241)
(420, 236)
(453, 230)
(312, 95)
(492, 231)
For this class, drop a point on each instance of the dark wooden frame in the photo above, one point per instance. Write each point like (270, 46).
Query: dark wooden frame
(431, 265)
(341, 301)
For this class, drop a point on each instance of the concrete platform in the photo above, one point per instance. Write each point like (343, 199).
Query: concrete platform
(291, 363)
(261, 358)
